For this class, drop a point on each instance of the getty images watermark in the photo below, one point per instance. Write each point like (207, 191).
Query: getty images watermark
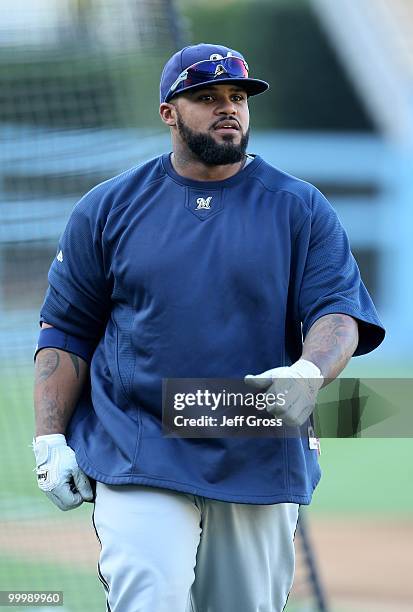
(346, 408)
(219, 408)
(219, 401)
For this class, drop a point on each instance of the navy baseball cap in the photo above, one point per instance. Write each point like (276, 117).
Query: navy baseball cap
(203, 64)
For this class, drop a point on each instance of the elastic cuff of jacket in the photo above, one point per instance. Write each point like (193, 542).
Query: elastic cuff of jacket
(51, 337)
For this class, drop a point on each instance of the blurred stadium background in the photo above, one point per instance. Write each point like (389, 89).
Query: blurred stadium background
(78, 104)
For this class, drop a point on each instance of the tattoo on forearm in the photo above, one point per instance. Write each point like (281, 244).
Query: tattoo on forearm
(75, 361)
(53, 415)
(59, 378)
(331, 342)
(47, 363)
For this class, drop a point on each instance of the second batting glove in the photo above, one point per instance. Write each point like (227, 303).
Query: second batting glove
(58, 473)
(299, 383)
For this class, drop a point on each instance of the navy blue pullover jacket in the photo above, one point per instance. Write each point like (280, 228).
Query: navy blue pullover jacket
(175, 278)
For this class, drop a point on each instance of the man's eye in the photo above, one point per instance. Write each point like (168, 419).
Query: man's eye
(205, 98)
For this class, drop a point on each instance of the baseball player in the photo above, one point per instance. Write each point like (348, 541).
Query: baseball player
(206, 262)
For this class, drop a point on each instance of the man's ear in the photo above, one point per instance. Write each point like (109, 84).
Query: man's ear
(168, 113)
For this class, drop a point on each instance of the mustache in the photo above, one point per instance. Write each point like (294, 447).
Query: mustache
(222, 120)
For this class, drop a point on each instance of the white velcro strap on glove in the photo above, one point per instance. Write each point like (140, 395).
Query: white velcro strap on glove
(58, 473)
(299, 383)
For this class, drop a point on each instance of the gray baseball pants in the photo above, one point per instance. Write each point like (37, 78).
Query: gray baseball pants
(164, 551)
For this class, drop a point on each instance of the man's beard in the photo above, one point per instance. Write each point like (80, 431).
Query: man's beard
(208, 150)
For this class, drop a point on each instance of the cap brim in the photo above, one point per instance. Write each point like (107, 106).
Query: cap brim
(253, 87)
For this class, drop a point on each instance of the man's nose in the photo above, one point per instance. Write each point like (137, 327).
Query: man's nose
(226, 106)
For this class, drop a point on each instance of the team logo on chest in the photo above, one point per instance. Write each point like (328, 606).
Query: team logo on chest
(204, 203)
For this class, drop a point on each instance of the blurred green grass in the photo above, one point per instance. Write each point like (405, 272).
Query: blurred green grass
(81, 589)
(16, 433)
(371, 476)
(362, 476)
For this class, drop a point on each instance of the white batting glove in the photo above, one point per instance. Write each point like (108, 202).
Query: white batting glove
(58, 473)
(300, 383)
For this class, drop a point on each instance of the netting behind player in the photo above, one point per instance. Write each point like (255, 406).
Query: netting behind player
(78, 104)
(78, 99)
